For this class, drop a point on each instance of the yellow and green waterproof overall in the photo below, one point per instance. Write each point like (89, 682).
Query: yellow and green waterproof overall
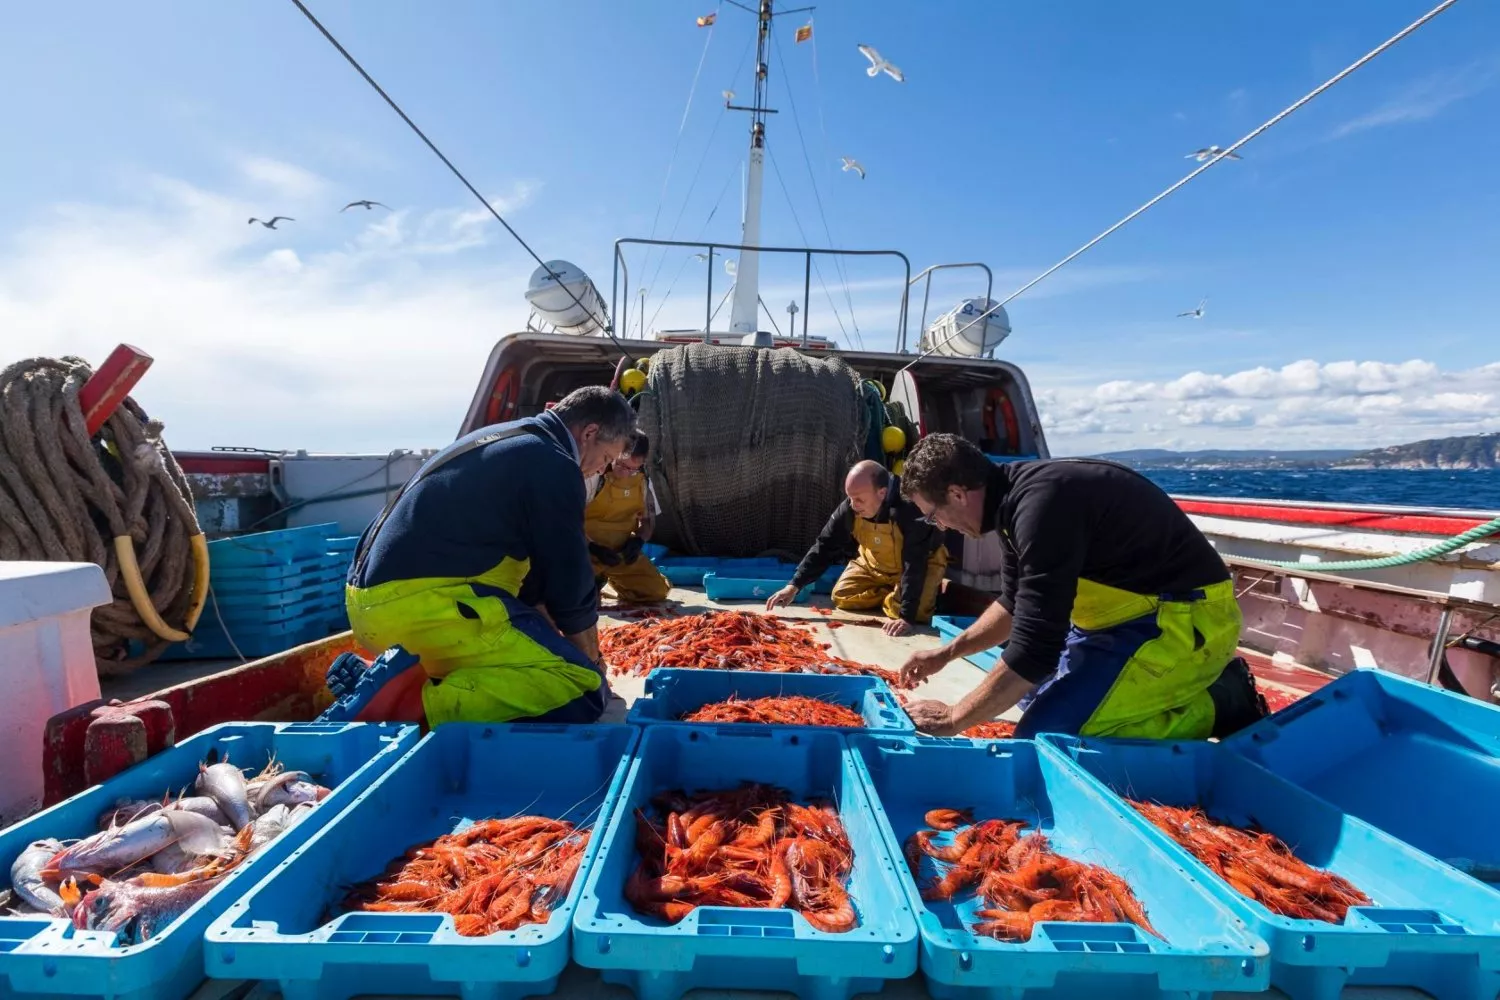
(611, 518)
(873, 578)
(1138, 665)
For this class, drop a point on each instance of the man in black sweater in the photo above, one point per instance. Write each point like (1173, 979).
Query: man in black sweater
(1114, 607)
(896, 557)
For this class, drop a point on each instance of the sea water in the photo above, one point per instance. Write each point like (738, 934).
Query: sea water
(1470, 490)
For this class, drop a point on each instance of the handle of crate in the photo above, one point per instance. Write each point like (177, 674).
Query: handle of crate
(1264, 730)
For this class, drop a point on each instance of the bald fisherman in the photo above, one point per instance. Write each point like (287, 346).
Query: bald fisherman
(896, 557)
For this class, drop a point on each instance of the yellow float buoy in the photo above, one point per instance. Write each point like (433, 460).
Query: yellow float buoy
(899, 466)
(893, 440)
(632, 380)
(643, 364)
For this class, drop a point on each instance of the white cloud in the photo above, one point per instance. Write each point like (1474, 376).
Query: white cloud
(282, 179)
(1425, 97)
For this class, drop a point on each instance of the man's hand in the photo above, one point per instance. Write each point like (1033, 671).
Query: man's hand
(897, 626)
(607, 556)
(932, 717)
(786, 595)
(631, 550)
(923, 664)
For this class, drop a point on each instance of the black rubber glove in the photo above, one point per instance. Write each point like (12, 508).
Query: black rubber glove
(631, 550)
(608, 557)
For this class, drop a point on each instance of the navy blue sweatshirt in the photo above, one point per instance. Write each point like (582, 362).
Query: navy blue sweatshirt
(521, 497)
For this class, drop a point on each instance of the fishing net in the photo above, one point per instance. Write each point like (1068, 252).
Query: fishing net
(749, 446)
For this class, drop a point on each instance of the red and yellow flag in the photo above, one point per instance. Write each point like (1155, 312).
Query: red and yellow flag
(804, 33)
(707, 19)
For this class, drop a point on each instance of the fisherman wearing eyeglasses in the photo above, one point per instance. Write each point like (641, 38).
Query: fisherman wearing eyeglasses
(618, 521)
(896, 556)
(1115, 612)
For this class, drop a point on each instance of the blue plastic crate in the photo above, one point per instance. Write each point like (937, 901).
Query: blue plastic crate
(949, 628)
(271, 548)
(49, 957)
(288, 931)
(735, 566)
(1007, 459)
(1430, 928)
(1207, 948)
(653, 551)
(824, 584)
(1418, 762)
(209, 641)
(719, 587)
(277, 606)
(670, 693)
(724, 947)
(685, 572)
(343, 544)
(327, 566)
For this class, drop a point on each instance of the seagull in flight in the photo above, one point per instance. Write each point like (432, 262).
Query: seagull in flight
(879, 65)
(366, 204)
(1196, 313)
(1209, 152)
(274, 219)
(850, 163)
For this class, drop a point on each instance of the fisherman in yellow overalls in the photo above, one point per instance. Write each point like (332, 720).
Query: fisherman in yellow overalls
(618, 522)
(896, 558)
(1117, 615)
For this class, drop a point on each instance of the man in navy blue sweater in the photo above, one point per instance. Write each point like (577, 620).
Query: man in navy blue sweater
(440, 573)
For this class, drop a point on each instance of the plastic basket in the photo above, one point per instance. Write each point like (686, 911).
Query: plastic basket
(719, 587)
(284, 931)
(41, 957)
(723, 947)
(1207, 948)
(672, 693)
(950, 628)
(271, 548)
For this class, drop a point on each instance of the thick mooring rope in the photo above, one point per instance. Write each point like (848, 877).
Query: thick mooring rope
(67, 498)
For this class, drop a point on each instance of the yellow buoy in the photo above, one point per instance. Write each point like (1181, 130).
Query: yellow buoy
(632, 380)
(878, 388)
(643, 364)
(899, 466)
(893, 439)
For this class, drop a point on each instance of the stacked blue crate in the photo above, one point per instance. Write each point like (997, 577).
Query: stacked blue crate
(267, 591)
(343, 548)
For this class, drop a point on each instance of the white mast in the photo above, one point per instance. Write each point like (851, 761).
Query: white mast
(744, 317)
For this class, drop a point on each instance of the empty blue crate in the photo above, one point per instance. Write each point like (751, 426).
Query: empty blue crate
(1206, 947)
(686, 571)
(41, 956)
(670, 694)
(252, 608)
(214, 641)
(1418, 762)
(653, 551)
(717, 947)
(271, 548)
(757, 587)
(290, 931)
(298, 572)
(950, 628)
(1429, 928)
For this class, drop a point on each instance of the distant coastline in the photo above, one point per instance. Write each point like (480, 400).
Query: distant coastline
(1471, 452)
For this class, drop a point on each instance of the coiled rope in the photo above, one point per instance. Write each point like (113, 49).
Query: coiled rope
(1442, 548)
(119, 500)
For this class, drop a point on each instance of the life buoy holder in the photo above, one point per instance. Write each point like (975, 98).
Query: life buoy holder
(504, 400)
(998, 399)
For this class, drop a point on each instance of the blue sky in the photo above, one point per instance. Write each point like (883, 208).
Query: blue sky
(1348, 260)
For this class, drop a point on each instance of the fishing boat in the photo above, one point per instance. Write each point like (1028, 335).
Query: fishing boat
(1325, 588)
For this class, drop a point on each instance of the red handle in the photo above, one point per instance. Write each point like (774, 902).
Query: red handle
(107, 388)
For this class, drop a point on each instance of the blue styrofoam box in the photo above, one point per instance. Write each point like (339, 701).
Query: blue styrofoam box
(1430, 928)
(671, 693)
(270, 548)
(686, 572)
(719, 587)
(1420, 763)
(750, 949)
(1206, 949)
(289, 930)
(49, 957)
(949, 628)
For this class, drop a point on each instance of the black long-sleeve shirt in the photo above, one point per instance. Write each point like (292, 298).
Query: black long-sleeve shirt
(919, 540)
(1066, 519)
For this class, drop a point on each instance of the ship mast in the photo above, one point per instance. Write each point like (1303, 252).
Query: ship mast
(744, 314)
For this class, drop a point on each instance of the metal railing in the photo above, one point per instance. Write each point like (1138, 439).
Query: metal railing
(926, 277)
(620, 302)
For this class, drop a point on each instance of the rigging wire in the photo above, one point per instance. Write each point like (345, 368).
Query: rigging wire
(838, 261)
(603, 325)
(806, 242)
(1254, 133)
(682, 125)
(719, 201)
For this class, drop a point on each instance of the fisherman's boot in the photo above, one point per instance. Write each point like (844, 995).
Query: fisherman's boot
(1237, 702)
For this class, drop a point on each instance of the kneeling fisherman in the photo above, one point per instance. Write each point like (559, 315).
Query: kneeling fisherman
(618, 522)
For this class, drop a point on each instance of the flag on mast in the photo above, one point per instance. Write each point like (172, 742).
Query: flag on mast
(804, 33)
(707, 19)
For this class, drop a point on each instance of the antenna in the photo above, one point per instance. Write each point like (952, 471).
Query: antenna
(744, 314)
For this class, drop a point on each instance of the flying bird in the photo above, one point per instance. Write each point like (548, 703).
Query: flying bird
(366, 204)
(850, 163)
(879, 65)
(274, 219)
(1196, 313)
(1209, 152)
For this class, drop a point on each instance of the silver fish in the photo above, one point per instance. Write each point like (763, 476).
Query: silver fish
(225, 784)
(202, 805)
(126, 811)
(289, 788)
(276, 821)
(27, 882)
(138, 913)
(111, 850)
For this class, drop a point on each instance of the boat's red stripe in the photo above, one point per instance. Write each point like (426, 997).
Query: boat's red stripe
(1351, 520)
(213, 465)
